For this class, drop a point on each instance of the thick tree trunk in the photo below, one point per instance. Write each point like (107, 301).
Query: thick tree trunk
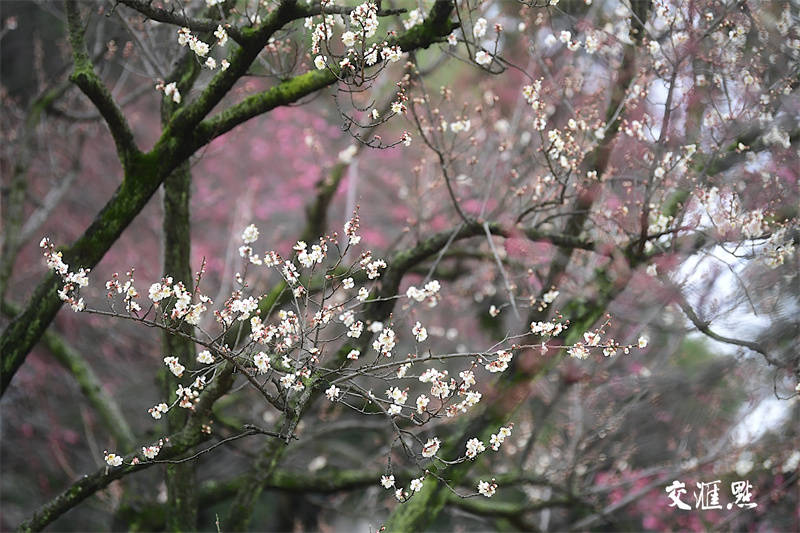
(181, 495)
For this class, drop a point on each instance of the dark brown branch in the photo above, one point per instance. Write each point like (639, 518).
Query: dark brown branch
(170, 16)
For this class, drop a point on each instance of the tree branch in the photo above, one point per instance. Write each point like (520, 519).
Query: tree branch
(90, 385)
(170, 16)
(271, 455)
(84, 76)
(435, 28)
(180, 478)
(191, 435)
(705, 328)
(145, 172)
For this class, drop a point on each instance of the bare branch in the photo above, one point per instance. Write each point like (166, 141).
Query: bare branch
(84, 76)
(91, 386)
(705, 328)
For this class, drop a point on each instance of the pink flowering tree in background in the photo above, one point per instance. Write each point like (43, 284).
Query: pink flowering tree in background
(404, 265)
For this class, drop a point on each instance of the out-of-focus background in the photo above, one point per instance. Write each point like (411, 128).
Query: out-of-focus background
(595, 441)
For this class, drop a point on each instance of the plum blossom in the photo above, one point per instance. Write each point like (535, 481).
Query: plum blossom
(372, 268)
(250, 234)
(205, 357)
(431, 447)
(261, 360)
(392, 54)
(578, 351)
(414, 18)
(550, 296)
(422, 402)
(332, 392)
(487, 488)
(158, 410)
(397, 395)
(349, 39)
(479, 29)
(385, 342)
(474, 447)
(483, 58)
(171, 90)
(112, 459)
(174, 366)
(221, 35)
(498, 438)
(151, 452)
(419, 332)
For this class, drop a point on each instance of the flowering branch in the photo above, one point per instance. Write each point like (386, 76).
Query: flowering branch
(191, 435)
(380, 307)
(420, 511)
(435, 27)
(169, 16)
(182, 136)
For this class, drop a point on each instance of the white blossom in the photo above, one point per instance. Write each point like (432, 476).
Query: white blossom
(483, 58)
(431, 447)
(205, 357)
(479, 29)
(474, 447)
(112, 459)
(332, 392)
(486, 488)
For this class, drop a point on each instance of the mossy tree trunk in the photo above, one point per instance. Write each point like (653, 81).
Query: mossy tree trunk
(180, 478)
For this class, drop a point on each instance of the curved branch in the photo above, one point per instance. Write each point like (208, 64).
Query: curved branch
(436, 27)
(705, 328)
(191, 435)
(91, 386)
(169, 16)
(89, 82)
(179, 140)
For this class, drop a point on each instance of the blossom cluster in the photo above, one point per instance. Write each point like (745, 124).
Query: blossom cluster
(363, 25)
(202, 49)
(429, 292)
(176, 298)
(73, 281)
(280, 349)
